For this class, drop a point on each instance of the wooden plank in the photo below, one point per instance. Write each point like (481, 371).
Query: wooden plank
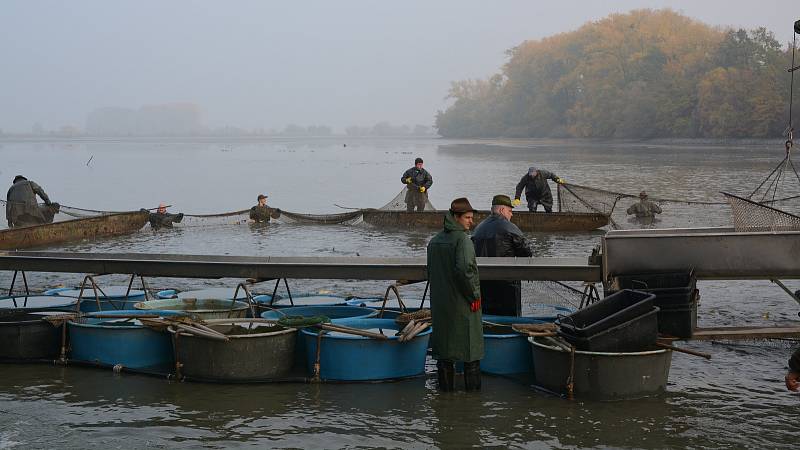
(737, 333)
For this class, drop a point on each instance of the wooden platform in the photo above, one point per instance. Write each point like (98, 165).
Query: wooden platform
(743, 333)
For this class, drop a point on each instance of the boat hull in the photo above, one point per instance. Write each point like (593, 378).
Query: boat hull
(525, 220)
(72, 230)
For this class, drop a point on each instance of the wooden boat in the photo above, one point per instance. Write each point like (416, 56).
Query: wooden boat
(525, 220)
(72, 230)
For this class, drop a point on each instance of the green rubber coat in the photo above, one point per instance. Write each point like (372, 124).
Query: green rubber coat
(454, 284)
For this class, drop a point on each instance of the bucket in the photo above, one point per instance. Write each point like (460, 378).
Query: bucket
(600, 375)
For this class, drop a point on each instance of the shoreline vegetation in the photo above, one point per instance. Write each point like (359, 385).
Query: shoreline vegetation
(643, 74)
(770, 142)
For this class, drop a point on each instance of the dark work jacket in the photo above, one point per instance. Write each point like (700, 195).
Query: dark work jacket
(21, 204)
(794, 361)
(497, 236)
(419, 177)
(262, 214)
(163, 220)
(537, 187)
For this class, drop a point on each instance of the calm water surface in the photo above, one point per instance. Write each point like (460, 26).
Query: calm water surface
(735, 400)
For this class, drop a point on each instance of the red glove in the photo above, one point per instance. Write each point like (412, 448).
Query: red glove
(475, 306)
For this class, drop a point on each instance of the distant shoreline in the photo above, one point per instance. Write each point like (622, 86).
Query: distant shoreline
(345, 139)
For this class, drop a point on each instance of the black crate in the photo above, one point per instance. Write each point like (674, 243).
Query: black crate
(637, 334)
(609, 312)
(670, 289)
(678, 321)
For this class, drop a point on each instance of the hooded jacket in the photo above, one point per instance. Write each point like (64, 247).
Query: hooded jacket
(454, 284)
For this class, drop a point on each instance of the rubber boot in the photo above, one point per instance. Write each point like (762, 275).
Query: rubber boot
(446, 374)
(472, 376)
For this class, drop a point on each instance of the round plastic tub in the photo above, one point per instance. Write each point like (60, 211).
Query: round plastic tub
(345, 357)
(122, 341)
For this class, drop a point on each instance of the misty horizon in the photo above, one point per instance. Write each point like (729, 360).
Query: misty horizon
(257, 66)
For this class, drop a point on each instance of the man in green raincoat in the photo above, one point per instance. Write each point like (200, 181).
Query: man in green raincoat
(456, 299)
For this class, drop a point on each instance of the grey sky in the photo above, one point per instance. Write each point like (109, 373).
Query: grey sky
(267, 64)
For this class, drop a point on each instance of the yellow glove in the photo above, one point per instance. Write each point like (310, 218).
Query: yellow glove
(422, 188)
(516, 202)
(560, 181)
(408, 180)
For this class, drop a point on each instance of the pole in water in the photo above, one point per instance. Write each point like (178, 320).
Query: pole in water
(90, 160)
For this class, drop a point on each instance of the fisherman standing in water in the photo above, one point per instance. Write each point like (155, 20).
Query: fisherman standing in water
(162, 219)
(418, 181)
(261, 213)
(644, 211)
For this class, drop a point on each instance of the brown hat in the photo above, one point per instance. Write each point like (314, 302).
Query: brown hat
(260, 196)
(643, 194)
(461, 206)
(502, 200)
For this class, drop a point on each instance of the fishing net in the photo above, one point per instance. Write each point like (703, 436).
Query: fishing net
(678, 213)
(551, 298)
(751, 216)
(398, 203)
(348, 218)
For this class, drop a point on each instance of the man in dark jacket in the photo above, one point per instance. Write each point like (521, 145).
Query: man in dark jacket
(261, 213)
(417, 181)
(793, 376)
(162, 219)
(455, 299)
(497, 236)
(537, 191)
(21, 207)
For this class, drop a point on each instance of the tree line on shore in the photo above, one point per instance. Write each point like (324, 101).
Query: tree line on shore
(643, 74)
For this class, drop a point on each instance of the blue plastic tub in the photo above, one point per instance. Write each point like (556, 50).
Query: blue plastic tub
(210, 293)
(309, 300)
(113, 300)
(332, 312)
(505, 351)
(356, 358)
(335, 313)
(412, 304)
(34, 303)
(128, 343)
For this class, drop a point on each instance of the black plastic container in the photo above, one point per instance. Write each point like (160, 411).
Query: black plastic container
(670, 289)
(678, 321)
(616, 309)
(637, 334)
(676, 296)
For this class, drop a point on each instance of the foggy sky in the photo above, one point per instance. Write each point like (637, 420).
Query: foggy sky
(267, 64)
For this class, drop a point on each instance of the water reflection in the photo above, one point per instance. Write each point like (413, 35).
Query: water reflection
(47, 406)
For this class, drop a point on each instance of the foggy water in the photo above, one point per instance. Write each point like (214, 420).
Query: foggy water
(737, 399)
